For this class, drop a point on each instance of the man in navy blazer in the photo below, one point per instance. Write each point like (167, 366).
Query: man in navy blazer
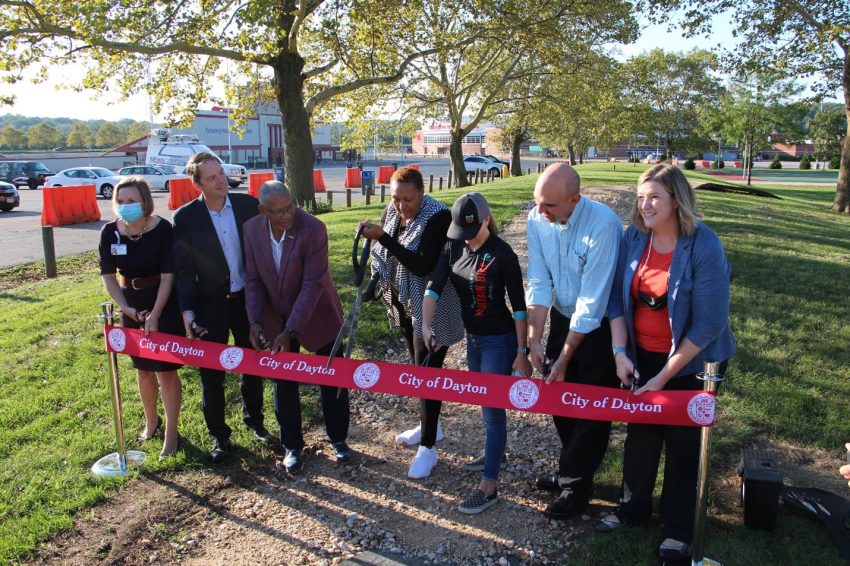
(210, 283)
(292, 302)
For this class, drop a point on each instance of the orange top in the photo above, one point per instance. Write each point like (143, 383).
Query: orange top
(652, 327)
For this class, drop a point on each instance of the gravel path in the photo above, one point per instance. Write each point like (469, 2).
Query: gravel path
(252, 512)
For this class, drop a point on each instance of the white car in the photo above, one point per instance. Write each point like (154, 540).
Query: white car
(103, 179)
(483, 163)
(157, 176)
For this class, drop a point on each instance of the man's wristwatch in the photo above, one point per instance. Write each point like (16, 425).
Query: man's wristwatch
(524, 351)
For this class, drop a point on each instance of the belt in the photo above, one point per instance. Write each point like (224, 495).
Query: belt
(235, 294)
(138, 283)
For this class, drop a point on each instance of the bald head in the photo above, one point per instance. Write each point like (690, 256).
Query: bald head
(557, 192)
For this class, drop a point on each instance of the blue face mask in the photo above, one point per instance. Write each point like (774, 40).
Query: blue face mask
(129, 212)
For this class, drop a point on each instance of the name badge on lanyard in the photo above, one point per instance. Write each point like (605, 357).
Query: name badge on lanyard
(118, 248)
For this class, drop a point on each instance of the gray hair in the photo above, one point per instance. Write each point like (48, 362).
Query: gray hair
(272, 188)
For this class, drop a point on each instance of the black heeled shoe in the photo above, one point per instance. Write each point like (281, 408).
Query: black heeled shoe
(163, 455)
(143, 438)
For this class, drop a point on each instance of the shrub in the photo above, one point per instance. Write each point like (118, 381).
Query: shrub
(318, 207)
(690, 165)
(835, 162)
(776, 163)
(805, 162)
(718, 164)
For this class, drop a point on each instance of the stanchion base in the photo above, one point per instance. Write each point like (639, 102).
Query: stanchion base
(115, 464)
(706, 562)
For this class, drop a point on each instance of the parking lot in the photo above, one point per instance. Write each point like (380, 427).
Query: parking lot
(22, 227)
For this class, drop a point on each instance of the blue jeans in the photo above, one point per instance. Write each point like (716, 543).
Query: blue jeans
(492, 354)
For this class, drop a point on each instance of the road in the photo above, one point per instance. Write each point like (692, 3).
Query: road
(22, 227)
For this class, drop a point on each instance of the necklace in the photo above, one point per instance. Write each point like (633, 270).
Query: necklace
(135, 237)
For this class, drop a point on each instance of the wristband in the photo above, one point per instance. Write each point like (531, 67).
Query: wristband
(524, 351)
(618, 350)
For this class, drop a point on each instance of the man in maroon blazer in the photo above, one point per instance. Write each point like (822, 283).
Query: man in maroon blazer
(291, 301)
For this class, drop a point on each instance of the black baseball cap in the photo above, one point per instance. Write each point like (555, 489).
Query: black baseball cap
(467, 214)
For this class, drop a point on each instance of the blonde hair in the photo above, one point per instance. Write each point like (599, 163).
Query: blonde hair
(144, 191)
(493, 227)
(677, 185)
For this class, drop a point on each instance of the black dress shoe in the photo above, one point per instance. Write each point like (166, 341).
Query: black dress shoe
(548, 482)
(143, 438)
(566, 507)
(342, 452)
(219, 450)
(292, 461)
(261, 434)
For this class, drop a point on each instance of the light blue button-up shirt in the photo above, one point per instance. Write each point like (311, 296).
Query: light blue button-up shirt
(571, 266)
(224, 223)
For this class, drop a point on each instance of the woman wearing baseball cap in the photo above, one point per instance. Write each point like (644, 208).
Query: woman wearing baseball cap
(481, 268)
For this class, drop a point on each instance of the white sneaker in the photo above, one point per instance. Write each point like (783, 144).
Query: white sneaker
(412, 436)
(423, 463)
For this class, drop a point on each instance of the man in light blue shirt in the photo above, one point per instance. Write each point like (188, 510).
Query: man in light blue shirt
(572, 256)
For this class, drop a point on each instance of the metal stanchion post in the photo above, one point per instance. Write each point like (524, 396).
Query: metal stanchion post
(115, 464)
(711, 377)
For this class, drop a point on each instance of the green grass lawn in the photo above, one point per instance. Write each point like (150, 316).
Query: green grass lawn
(788, 382)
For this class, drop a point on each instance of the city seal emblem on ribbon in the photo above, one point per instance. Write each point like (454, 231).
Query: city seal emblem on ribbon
(524, 394)
(117, 340)
(366, 375)
(230, 358)
(701, 409)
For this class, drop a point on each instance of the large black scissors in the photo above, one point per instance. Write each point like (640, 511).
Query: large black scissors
(349, 326)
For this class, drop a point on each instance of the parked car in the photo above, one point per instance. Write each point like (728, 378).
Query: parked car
(498, 159)
(9, 197)
(157, 176)
(31, 174)
(103, 179)
(482, 163)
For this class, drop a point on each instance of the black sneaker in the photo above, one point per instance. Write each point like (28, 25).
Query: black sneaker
(566, 507)
(477, 465)
(219, 450)
(342, 452)
(261, 434)
(477, 502)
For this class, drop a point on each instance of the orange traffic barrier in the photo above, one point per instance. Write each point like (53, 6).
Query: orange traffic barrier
(706, 164)
(318, 181)
(738, 164)
(413, 166)
(352, 178)
(256, 180)
(69, 205)
(181, 191)
(385, 173)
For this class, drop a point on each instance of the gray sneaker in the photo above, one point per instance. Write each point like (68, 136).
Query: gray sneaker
(477, 465)
(477, 502)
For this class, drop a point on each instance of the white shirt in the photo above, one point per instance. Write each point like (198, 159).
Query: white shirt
(277, 247)
(224, 223)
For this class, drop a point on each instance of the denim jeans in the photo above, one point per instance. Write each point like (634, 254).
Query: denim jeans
(492, 354)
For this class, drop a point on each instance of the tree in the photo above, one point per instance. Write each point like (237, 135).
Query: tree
(799, 38)
(471, 83)
(827, 129)
(43, 136)
(137, 130)
(80, 136)
(666, 90)
(12, 137)
(752, 110)
(301, 53)
(110, 135)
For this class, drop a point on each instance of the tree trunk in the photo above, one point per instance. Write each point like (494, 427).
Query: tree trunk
(571, 150)
(516, 166)
(750, 162)
(297, 138)
(456, 154)
(842, 188)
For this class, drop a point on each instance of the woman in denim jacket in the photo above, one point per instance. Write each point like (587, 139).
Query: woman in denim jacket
(669, 313)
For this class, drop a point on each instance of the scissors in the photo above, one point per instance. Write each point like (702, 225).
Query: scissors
(349, 326)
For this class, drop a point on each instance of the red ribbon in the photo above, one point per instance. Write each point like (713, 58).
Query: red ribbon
(683, 408)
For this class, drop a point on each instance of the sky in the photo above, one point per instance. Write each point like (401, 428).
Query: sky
(40, 100)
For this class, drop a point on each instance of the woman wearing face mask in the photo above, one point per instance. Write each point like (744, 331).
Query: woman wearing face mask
(137, 267)
(410, 238)
(669, 312)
